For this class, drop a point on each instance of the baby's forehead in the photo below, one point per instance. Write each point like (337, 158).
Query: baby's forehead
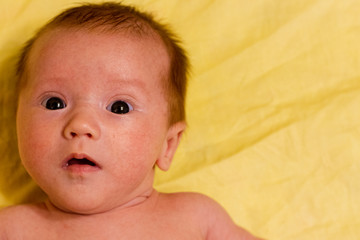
(65, 36)
(102, 46)
(106, 32)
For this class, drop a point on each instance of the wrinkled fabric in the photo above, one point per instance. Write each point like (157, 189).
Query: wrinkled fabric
(273, 110)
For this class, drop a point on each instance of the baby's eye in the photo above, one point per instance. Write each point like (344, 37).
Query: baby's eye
(120, 107)
(54, 103)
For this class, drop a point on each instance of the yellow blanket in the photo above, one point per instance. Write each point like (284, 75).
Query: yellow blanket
(273, 110)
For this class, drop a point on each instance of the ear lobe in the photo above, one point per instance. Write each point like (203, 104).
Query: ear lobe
(170, 145)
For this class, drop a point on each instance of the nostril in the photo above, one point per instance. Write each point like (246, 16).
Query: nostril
(73, 134)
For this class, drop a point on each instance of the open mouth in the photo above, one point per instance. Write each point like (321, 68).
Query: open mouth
(83, 161)
(80, 162)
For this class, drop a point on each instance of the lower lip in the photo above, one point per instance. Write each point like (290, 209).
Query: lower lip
(79, 168)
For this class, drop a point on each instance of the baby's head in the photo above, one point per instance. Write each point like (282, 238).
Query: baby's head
(116, 18)
(101, 102)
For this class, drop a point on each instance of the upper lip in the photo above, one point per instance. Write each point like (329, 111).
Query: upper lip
(79, 156)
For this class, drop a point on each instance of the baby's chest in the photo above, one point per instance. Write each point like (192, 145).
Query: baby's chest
(159, 230)
(165, 232)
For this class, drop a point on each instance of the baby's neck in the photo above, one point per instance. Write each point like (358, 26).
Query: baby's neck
(142, 201)
(126, 220)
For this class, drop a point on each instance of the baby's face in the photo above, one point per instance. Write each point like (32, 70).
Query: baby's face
(92, 118)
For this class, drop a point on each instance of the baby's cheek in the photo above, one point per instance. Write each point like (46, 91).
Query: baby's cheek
(32, 151)
(135, 151)
(34, 139)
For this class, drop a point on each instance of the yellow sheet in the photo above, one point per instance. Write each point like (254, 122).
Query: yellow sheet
(273, 110)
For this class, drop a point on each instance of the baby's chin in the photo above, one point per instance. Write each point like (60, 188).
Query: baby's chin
(86, 207)
(79, 208)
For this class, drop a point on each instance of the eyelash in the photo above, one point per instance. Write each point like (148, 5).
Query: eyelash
(56, 103)
(124, 109)
(53, 105)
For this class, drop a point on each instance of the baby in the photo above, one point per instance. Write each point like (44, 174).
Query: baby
(101, 102)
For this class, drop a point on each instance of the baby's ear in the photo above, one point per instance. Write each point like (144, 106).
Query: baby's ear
(170, 145)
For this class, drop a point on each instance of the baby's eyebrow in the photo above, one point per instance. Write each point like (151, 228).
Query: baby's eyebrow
(133, 85)
(126, 83)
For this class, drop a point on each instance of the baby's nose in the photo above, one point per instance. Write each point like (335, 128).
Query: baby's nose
(82, 125)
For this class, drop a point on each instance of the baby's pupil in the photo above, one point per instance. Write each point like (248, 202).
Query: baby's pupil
(120, 107)
(55, 103)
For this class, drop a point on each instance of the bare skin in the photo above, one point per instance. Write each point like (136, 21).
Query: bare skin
(160, 216)
(97, 166)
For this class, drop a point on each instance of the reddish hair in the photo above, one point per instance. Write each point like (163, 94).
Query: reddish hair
(112, 17)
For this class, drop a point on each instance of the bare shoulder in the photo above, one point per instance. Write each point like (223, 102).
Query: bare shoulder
(7, 214)
(214, 219)
(17, 217)
(18, 210)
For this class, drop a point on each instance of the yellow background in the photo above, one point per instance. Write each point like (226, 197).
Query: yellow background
(273, 110)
